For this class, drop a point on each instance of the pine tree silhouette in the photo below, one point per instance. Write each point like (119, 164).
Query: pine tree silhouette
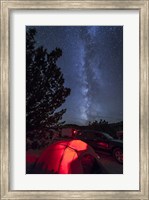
(45, 91)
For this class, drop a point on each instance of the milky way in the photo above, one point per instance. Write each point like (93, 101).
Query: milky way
(92, 65)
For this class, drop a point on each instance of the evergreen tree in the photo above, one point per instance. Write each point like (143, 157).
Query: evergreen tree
(45, 91)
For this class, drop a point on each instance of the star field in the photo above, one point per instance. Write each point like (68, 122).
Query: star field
(92, 65)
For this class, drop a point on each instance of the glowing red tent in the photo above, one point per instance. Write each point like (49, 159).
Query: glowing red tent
(68, 157)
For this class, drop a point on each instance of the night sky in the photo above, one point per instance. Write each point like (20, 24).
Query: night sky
(92, 65)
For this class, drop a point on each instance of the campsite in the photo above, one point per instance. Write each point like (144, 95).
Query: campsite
(67, 155)
(74, 99)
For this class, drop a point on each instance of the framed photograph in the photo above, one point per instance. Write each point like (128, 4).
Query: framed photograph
(74, 99)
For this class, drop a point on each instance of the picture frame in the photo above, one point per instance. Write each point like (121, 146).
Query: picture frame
(6, 7)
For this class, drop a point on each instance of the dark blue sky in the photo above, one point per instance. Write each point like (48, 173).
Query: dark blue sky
(92, 65)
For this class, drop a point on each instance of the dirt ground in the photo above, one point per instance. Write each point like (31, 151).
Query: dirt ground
(111, 165)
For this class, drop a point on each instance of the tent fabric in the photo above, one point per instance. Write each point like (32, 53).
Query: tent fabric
(64, 157)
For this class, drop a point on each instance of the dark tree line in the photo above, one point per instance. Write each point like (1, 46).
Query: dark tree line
(45, 90)
(104, 126)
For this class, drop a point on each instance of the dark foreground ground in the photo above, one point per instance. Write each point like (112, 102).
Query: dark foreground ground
(111, 165)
